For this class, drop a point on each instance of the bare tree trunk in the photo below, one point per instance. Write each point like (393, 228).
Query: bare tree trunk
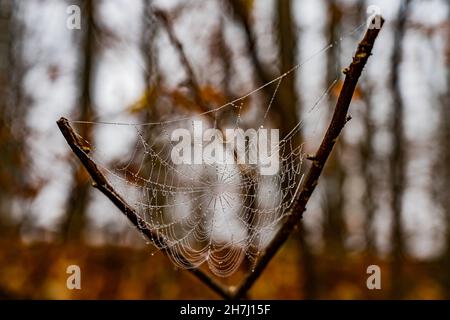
(222, 51)
(367, 156)
(398, 157)
(75, 219)
(444, 167)
(150, 57)
(287, 38)
(335, 174)
(13, 159)
(5, 147)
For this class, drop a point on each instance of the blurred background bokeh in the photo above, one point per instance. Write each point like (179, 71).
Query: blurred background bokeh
(383, 198)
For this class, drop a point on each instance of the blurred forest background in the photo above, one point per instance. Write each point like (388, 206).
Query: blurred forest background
(383, 198)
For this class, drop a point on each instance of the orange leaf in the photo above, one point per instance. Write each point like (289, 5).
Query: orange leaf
(357, 95)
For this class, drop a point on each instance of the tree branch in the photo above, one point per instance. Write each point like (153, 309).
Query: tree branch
(239, 13)
(101, 183)
(338, 121)
(191, 80)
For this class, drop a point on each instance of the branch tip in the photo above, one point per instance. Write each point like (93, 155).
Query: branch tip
(348, 118)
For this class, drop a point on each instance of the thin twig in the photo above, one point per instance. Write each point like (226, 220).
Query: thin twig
(340, 118)
(239, 13)
(192, 81)
(101, 183)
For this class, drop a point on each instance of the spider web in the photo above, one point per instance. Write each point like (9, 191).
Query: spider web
(218, 213)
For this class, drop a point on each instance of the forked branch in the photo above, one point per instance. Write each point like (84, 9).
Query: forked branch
(338, 121)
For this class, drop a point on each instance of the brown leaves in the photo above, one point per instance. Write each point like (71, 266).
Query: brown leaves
(357, 95)
(248, 5)
(182, 98)
(147, 100)
(39, 272)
